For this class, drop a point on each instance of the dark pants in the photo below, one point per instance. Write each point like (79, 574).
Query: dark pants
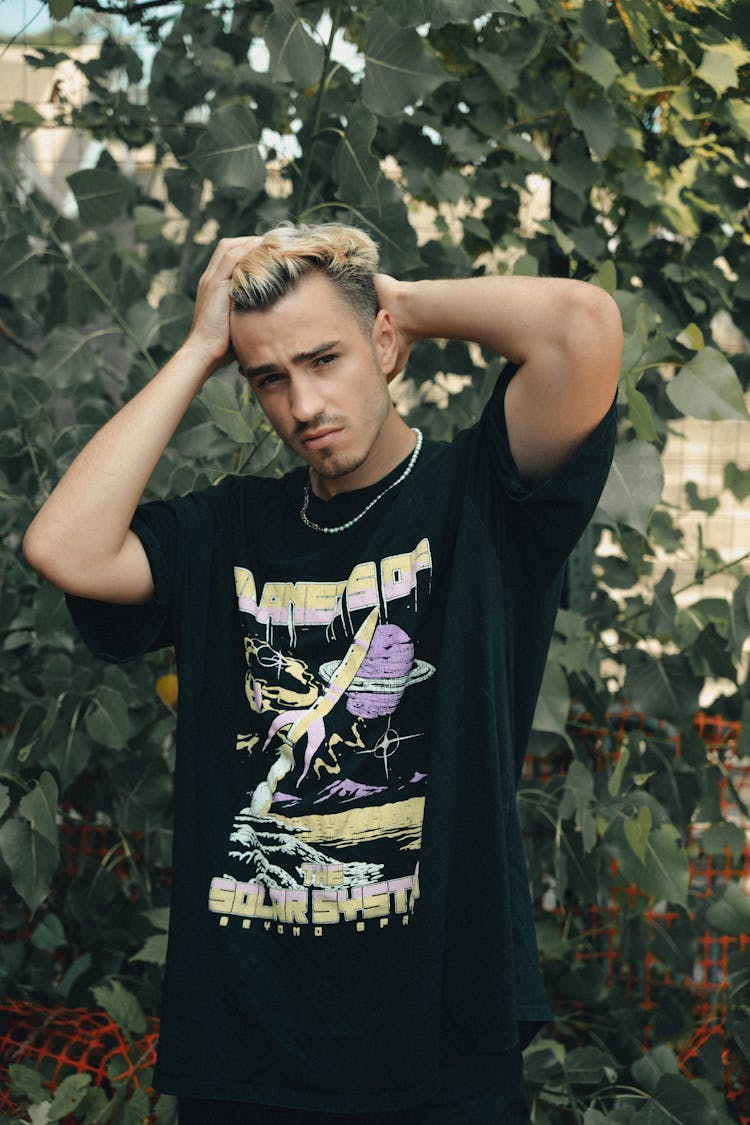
(476, 1090)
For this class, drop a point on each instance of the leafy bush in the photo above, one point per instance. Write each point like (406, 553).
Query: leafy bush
(603, 141)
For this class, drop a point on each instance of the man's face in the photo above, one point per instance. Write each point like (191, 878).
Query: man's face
(318, 377)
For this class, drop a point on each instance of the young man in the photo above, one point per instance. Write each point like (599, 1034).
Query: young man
(360, 646)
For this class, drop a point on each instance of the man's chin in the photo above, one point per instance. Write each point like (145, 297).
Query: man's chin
(333, 468)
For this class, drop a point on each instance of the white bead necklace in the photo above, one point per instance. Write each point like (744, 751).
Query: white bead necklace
(355, 519)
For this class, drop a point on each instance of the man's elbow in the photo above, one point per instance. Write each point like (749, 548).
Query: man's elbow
(593, 329)
(39, 553)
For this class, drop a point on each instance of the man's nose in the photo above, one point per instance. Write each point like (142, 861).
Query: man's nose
(305, 399)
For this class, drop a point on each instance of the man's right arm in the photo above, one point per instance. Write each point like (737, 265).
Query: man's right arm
(80, 539)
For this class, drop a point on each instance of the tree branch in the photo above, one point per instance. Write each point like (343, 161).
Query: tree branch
(16, 341)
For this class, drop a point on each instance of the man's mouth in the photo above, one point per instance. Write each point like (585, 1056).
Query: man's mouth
(316, 439)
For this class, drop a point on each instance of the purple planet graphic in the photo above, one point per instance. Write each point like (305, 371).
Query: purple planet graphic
(384, 675)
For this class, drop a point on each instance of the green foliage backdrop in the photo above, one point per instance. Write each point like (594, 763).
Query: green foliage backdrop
(433, 122)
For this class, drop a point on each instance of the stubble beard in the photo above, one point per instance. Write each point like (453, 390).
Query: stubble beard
(328, 463)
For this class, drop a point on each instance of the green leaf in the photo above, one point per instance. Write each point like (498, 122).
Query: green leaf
(662, 687)
(589, 1066)
(166, 326)
(39, 1114)
(553, 705)
(691, 337)
(739, 114)
(597, 121)
(739, 618)
(66, 359)
(717, 69)
(295, 54)
(415, 13)
(639, 413)
(698, 503)
(22, 275)
(149, 221)
(664, 609)
(639, 24)
(634, 485)
(27, 1083)
(166, 1110)
(79, 968)
(730, 914)
(578, 791)
(737, 481)
(101, 195)
(49, 934)
(606, 277)
(107, 720)
(664, 872)
(69, 755)
(40, 808)
(136, 1109)
(716, 839)
(32, 861)
(69, 1095)
(707, 387)
(227, 151)
(158, 917)
(96, 1107)
(398, 71)
(709, 654)
(600, 64)
(648, 1069)
(676, 1101)
(122, 1006)
(220, 399)
(637, 829)
(60, 9)
(355, 170)
(154, 949)
(615, 781)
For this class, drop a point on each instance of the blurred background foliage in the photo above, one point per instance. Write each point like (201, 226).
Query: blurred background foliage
(607, 140)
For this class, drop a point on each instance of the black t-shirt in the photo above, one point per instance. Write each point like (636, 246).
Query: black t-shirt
(350, 894)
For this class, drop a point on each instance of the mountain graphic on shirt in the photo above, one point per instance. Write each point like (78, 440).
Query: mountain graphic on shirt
(273, 853)
(345, 790)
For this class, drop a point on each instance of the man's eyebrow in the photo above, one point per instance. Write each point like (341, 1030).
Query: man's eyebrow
(301, 357)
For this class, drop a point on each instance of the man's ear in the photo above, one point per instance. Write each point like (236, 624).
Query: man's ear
(385, 343)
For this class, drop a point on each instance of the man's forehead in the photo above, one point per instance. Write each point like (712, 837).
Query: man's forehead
(299, 324)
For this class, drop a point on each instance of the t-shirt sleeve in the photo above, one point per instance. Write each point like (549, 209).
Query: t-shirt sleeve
(118, 633)
(538, 525)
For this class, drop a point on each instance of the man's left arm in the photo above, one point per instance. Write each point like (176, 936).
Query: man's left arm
(565, 336)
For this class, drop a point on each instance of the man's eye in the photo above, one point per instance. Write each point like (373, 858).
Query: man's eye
(324, 360)
(268, 380)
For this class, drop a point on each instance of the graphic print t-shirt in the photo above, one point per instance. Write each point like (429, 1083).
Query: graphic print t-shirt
(349, 889)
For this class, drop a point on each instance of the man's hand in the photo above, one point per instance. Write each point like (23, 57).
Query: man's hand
(393, 296)
(209, 332)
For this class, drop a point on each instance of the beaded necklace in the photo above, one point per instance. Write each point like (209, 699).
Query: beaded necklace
(355, 519)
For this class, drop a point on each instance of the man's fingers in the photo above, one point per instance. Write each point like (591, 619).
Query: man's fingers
(228, 252)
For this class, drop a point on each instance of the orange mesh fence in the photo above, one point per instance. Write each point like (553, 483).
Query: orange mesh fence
(708, 872)
(82, 839)
(59, 1041)
(709, 1037)
(644, 977)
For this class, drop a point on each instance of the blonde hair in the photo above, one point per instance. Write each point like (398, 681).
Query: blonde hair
(346, 255)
